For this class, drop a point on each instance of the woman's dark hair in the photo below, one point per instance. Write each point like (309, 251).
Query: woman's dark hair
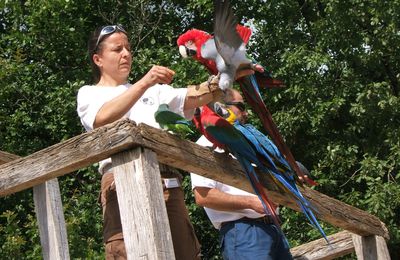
(94, 45)
(93, 49)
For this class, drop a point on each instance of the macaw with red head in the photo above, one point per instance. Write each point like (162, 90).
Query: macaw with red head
(250, 147)
(194, 43)
(225, 53)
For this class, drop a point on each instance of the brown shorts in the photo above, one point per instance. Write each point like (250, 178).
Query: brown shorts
(186, 245)
(115, 250)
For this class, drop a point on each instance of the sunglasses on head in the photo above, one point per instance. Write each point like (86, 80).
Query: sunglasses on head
(239, 105)
(109, 29)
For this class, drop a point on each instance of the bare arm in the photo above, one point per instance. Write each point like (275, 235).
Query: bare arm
(120, 105)
(218, 200)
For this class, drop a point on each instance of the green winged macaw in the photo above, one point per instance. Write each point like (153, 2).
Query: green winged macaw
(225, 52)
(251, 147)
(224, 135)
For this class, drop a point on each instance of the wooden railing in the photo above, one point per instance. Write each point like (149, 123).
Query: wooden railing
(136, 151)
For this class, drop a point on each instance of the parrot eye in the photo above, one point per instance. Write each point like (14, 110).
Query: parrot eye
(190, 47)
(190, 52)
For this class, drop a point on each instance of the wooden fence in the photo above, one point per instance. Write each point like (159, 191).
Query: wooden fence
(136, 151)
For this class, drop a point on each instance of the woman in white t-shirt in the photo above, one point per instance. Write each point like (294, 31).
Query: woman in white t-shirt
(111, 98)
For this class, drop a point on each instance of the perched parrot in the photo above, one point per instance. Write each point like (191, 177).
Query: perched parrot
(277, 166)
(171, 121)
(216, 53)
(250, 147)
(224, 135)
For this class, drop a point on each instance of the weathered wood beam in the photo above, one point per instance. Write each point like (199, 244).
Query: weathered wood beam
(88, 148)
(68, 156)
(7, 157)
(340, 244)
(193, 158)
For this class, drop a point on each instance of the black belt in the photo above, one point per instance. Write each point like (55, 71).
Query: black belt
(265, 219)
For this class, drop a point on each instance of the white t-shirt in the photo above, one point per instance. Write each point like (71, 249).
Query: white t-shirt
(217, 216)
(92, 98)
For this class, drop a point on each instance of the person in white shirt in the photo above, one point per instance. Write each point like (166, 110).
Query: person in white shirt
(245, 231)
(111, 98)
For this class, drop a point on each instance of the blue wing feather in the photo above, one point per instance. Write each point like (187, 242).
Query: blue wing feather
(283, 175)
(250, 146)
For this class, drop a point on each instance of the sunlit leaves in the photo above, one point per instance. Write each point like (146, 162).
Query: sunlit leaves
(338, 113)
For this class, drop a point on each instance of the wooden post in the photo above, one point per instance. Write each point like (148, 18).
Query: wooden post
(50, 216)
(144, 216)
(370, 247)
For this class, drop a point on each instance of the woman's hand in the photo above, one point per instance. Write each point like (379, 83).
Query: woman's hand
(158, 75)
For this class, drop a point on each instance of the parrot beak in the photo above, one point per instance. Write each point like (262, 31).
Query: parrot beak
(182, 51)
(186, 52)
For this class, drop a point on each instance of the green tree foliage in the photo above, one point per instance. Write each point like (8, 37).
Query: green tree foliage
(339, 112)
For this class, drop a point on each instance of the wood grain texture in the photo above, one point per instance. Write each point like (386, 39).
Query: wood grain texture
(7, 157)
(171, 150)
(88, 148)
(340, 244)
(370, 248)
(50, 216)
(66, 157)
(141, 202)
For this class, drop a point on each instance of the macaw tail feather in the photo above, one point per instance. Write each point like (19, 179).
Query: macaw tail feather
(258, 189)
(305, 206)
(314, 222)
(267, 203)
(251, 92)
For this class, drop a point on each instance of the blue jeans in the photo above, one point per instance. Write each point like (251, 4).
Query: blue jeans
(247, 240)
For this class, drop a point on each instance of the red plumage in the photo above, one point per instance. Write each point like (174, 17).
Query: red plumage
(244, 33)
(199, 37)
(205, 116)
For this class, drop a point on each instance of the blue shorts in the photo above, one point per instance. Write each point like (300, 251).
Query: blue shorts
(247, 240)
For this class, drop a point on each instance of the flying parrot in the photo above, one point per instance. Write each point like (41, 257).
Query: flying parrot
(223, 53)
(174, 122)
(250, 146)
